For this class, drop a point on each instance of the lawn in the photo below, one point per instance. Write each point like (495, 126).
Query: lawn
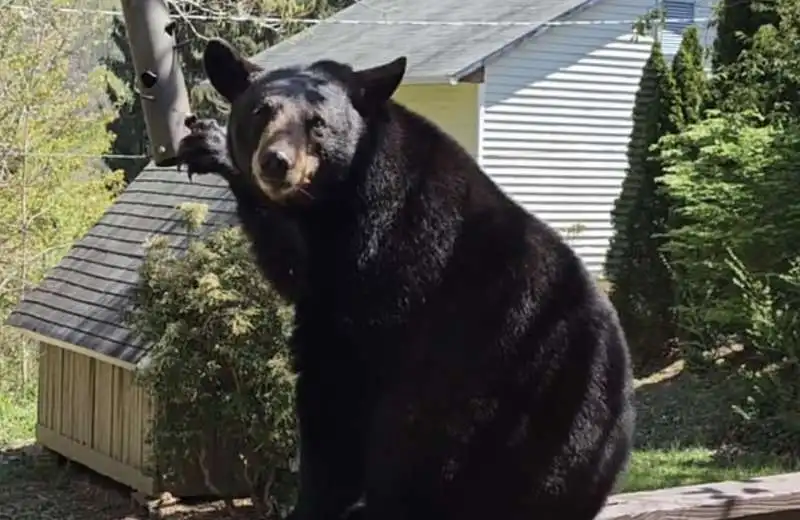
(678, 418)
(17, 417)
(676, 414)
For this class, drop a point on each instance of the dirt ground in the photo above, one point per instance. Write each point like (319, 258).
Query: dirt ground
(37, 485)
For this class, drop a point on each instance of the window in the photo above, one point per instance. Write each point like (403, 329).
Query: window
(680, 9)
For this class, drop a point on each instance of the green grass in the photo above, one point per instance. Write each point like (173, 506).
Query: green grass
(680, 421)
(655, 469)
(17, 417)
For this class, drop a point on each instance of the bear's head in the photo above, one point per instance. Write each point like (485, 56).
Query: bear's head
(296, 130)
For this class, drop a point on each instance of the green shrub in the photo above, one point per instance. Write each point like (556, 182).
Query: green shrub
(733, 180)
(219, 362)
(733, 177)
(769, 417)
(734, 235)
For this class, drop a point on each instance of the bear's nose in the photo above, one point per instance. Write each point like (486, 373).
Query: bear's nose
(276, 163)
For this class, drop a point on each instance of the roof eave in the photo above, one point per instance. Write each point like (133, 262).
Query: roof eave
(427, 79)
(50, 340)
(410, 79)
(536, 31)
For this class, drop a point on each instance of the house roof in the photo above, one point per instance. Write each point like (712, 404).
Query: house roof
(436, 53)
(82, 301)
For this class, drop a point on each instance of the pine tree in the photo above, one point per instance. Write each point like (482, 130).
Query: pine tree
(641, 283)
(737, 22)
(690, 78)
(692, 93)
(128, 129)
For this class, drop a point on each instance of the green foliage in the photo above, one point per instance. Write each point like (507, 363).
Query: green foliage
(690, 78)
(53, 116)
(635, 265)
(219, 363)
(734, 234)
(705, 164)
(737, 21)
(733, 177)
(766, 78)
(129, 129)
(647, 24)
(770, 370)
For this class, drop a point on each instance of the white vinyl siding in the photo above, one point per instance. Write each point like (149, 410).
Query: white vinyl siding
(557, 120)
(673, 31)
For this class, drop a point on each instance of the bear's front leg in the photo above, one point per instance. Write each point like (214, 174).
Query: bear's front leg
(332, 411)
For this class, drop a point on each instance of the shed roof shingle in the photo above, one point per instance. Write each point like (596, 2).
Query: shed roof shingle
(436, 53)
(83, 300)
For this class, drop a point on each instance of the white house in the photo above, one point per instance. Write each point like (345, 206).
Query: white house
(541, 91)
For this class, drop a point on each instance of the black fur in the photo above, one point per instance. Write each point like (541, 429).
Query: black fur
(457, 361)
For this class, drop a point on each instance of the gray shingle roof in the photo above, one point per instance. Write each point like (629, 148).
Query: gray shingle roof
(436, 53)
(82, 301)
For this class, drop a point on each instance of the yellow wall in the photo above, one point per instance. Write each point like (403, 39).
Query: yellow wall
(453, 107)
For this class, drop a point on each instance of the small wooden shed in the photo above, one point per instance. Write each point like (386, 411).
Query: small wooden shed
(90, 409)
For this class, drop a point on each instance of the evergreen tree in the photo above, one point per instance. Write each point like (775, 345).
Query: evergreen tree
(767, 78)
(690, 78)
(641, 283)
(737, 22)
(692, 96)
(128, 129)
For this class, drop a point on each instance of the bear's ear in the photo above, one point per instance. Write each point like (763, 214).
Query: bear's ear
(379, 83)
(227, 70)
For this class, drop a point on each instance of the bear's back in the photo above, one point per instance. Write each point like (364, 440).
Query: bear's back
(493, 332)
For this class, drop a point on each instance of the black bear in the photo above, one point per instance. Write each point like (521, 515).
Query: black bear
(456, 361)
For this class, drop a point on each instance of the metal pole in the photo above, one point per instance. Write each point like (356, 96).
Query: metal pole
(160, 82)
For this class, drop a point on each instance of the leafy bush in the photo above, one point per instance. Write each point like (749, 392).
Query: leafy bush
(737, 22)
(736, 249)
(770, 372)
(733, 179)
(219, 363)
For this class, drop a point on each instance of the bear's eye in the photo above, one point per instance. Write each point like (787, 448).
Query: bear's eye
(264, 109)
(315, 124)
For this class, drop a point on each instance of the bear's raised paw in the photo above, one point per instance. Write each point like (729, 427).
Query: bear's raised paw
(204, 150)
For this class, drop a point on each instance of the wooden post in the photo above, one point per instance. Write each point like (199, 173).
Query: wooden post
(159, 76)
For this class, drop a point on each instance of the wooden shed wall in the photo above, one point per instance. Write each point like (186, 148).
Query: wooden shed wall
(92, 412)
